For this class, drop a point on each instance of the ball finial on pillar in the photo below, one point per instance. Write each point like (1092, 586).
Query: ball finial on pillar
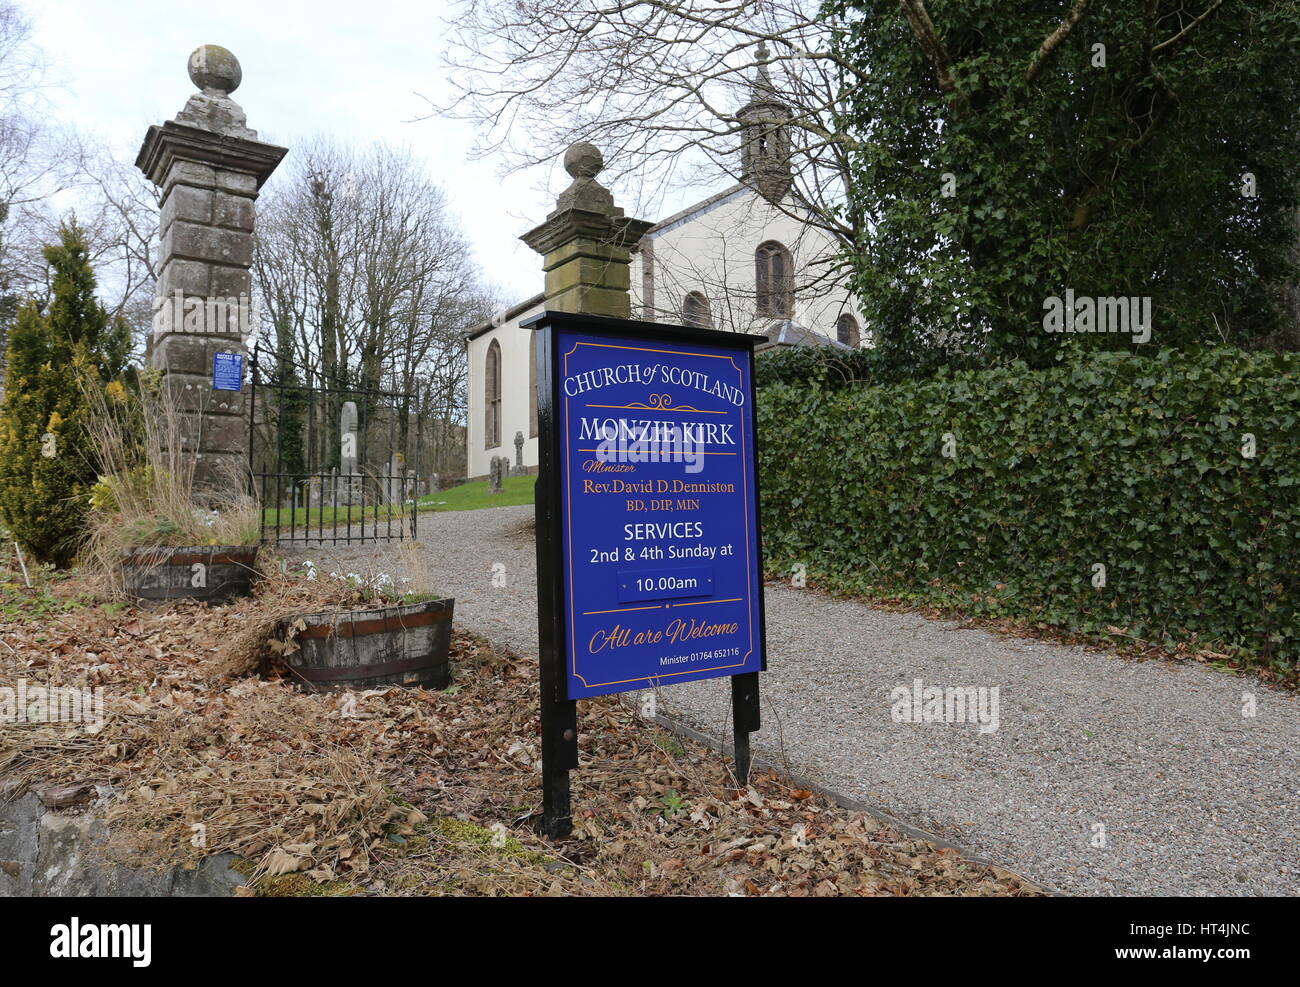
(583, 160)
(215, 68)
(586, 242)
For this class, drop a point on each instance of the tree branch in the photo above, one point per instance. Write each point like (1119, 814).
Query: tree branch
(1178, 38)
(931, 43)
(1054, 39)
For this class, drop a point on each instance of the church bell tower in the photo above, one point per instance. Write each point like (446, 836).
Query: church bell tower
(765, 136)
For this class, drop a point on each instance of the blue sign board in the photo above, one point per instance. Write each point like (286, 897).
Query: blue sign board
(658, 512)
(227, 371)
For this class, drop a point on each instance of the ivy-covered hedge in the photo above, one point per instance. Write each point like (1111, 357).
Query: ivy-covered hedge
(1137, 464)
(836, 368)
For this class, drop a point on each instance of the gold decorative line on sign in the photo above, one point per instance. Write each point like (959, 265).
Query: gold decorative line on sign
(589, 613)
(705, 603)
(645, 407)
(657, 402)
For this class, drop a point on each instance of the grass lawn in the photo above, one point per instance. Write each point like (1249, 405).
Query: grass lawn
(466, 497)
(473, 496)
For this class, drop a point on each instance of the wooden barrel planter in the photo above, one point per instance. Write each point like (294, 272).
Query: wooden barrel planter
(216, 573)
(363, 649)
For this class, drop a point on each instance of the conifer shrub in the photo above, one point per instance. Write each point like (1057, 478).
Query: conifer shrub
(46, 469)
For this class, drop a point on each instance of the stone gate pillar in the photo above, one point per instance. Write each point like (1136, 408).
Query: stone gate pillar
(209, 166)
(585, 243)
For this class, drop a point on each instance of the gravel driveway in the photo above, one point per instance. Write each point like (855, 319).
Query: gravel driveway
(1154, 760)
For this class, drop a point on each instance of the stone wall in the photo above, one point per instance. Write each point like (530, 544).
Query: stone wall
(50, 847)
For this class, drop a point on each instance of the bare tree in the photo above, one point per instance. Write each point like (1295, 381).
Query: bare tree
(365, 279)
(37, 159)
(658, 85)
(34, 159)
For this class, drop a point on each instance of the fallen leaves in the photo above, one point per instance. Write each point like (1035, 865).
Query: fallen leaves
(425, 792)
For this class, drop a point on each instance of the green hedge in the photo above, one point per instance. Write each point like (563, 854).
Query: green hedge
(1134, 463)
(835, 368)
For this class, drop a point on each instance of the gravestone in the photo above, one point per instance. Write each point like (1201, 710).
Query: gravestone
(348, 437)
(519, 454)
(499, 469)
(349, 487)
(209, 167)
(396, 478)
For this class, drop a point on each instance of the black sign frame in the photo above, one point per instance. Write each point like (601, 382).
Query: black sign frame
(559, 714)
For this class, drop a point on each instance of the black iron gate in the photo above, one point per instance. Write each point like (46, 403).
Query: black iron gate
(330, 461)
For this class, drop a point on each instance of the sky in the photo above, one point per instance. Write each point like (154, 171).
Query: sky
(353, 71)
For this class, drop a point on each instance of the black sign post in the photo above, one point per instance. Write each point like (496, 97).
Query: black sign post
(559, 713)
(649, 552)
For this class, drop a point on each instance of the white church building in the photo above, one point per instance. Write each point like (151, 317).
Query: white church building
(739, 261)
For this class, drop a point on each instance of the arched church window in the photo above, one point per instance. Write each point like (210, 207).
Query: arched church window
(492, 397)
(774, 280)
(695, 311)
(847, 331)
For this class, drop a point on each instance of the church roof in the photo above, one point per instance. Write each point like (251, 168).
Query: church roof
(699, 209)
(789, 333)
(503, 317)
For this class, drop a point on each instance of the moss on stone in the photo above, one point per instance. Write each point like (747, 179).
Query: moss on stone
(299, 885)
(482, 840)
(296, 885)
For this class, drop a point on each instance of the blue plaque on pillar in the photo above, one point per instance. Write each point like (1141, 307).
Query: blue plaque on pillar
(658, 511)
(227, 371)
